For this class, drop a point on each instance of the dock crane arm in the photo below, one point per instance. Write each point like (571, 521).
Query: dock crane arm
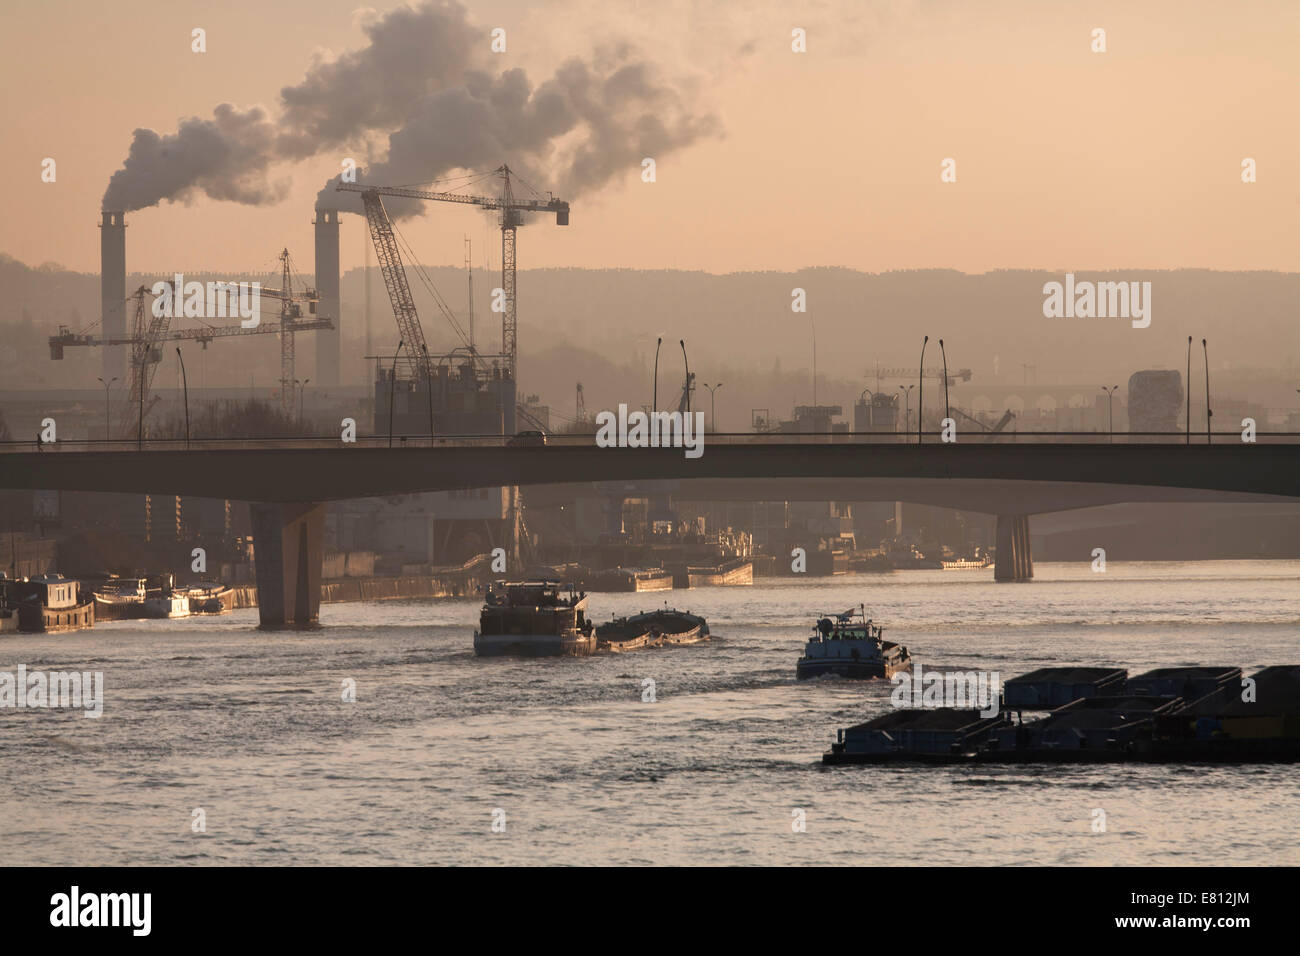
(394, 272)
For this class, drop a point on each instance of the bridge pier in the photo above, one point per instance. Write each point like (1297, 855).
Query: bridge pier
(1015, 561)
(288, 552)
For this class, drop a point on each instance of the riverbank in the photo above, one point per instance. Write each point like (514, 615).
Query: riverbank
(450, 582)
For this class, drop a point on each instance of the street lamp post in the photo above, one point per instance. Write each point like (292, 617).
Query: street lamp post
(947, 412)
(920, 393)
(1110, 405)
(658, 344)
(1209, 413)
(302, 400)
(713, 408)
(392, 391)
(428, 383)
(108, 431)
(139, 428)
(871, 409)
(185, 385)
(812, 323)
(682, 343)
(1189, 390)
(907, 406)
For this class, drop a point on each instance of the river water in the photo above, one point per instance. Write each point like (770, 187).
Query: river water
(575, 767)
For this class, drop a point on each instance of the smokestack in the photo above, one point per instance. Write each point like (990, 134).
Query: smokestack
(327, 287)
(112, 292)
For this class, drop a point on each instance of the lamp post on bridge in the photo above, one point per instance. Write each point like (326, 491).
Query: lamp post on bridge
(108, 430)
(658, 344)
(185, 384)
(871, 413)
(713, 408)
(1110, 403)
(392, 391)
(1209, 413)
(682, 343)
(947, 412)
(920, 393)
(907, 406)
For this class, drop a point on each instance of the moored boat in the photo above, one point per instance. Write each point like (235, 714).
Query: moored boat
(120, 599)
(167, 600)
(208, 597)
(533, 618)
(51, 603)
(851, 645)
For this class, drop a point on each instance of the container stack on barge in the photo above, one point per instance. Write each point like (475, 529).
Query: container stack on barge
(1171, 714)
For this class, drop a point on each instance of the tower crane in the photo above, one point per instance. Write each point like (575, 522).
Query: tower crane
(148, 332)
(512, 210)
(953, 374)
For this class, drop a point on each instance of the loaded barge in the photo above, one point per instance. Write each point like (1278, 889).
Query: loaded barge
(651, 629)
(534, 619)
(1168, 715)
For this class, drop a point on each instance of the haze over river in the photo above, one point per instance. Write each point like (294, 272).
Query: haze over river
(250, 726)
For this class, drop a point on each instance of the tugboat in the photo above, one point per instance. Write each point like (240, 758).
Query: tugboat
(532, 619)
(850, 645)
(50, 602)
(652, 629)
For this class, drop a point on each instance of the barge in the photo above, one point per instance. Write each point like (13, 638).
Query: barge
(1141, 720)
(534, 619)
(733, 573)
(851, 645)
(630, 580)
(660, 628)
(120, 599)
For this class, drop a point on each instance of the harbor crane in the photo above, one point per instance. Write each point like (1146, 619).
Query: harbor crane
(511, 208)
(149, 331)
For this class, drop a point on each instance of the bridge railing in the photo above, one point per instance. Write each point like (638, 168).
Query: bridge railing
(588, 440)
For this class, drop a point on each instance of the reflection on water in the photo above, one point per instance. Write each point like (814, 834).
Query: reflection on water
(251, 726)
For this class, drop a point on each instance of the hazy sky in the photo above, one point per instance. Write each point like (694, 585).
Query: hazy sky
(1066, 159)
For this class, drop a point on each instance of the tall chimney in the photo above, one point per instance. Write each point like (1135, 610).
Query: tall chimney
(112, 292)
(327, 287)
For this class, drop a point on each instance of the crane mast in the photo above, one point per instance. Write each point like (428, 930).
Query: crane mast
(394, 273)
(512, 210)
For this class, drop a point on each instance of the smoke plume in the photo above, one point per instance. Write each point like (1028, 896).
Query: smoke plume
(425, 83)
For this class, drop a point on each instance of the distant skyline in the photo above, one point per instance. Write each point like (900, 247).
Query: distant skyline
(1066, 159)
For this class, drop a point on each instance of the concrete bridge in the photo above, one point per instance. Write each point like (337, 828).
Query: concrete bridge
(286, 482)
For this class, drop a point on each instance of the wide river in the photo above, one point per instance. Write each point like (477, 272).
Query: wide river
(574, 767)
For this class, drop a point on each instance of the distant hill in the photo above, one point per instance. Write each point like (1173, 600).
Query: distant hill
(599, 327)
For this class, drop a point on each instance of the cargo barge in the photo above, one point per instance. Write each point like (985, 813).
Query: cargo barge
(629, 580)
(661, 628)
(120, 599)
(534, 619)
(1146, 719)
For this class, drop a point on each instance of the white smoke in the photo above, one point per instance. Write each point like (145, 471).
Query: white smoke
(425, 83)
